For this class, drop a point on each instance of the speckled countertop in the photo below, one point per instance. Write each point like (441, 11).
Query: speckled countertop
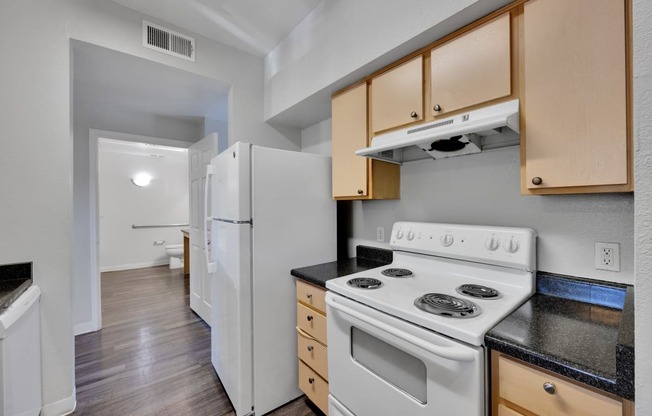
(14, 280)
(366, 258)
(579, 328)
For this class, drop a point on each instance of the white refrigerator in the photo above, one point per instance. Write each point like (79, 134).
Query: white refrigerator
(271, 211)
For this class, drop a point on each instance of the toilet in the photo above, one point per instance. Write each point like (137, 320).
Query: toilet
(175, 253)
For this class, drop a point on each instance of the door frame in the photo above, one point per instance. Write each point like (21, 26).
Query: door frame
(94, 216)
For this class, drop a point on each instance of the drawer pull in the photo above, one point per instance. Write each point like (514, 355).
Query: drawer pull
(311, 380)
(414, 114)
(310, 348)
(549, 388)
(309, 318)
(309, 295)
(537, 180)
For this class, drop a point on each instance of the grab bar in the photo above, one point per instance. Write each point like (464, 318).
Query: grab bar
(159, 225)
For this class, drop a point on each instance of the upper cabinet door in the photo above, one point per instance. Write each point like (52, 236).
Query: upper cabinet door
(575, 95)
(471, 69)
(350, 134)
(397, 96)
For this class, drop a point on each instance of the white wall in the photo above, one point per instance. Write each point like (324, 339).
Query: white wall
(122, 204)
(221, 128)
(643, 207)
(37, 154)
(316, 138)
(485, 189)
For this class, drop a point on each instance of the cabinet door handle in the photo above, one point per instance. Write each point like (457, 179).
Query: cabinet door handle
(360, 191)
(310, 348)
(414, 114)
(311, 380)
(537, 180)
(309, 318)
(549, 388)
(437, 107)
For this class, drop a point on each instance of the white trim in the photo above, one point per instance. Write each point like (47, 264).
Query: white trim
(62, 407)
(94, 226)
(134, 266)
(85, 328)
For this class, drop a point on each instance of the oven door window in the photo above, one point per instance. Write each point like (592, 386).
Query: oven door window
(398, 368)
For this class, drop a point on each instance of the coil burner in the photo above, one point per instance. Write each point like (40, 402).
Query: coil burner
(446, 305)
(364, 283)
(478, 291)
(396, 272)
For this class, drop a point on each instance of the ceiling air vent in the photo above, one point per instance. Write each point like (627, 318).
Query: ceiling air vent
(168, 41)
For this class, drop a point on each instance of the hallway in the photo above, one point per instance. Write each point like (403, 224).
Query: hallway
(152, 356)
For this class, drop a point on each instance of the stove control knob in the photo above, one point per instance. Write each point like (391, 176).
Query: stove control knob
(446, 239)
(511, 245)
(410, 235)
(491, 243)
(399, 234)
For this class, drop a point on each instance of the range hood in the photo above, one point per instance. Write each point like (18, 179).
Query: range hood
(489, 127)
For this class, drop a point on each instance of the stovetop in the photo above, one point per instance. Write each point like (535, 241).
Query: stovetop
(434, 274)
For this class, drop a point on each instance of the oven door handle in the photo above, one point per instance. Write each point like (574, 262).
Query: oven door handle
(454, 354)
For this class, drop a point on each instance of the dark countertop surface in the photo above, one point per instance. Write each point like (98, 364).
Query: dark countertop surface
(577, 328)
(366, 258)
(14, 280)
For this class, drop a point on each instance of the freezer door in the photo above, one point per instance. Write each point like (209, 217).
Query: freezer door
(231, 329)
(231, 196)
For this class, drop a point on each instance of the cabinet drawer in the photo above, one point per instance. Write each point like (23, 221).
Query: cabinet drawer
(523, 386)
(313, 353)
(506, 411)
(312, 322)
(312, 296)
(315, 387)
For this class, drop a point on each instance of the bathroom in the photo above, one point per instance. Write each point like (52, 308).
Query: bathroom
(143, 204)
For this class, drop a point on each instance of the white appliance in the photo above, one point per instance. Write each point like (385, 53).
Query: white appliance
(407, 338)
(467, 133)
(20, 356)
(271, 211)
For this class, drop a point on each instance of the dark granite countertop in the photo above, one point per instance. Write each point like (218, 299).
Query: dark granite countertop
(14, 280)
(578, 328)
(366, 258)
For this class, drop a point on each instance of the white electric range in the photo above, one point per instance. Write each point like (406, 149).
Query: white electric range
(407, 338)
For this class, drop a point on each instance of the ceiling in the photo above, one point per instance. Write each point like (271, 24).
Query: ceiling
(114, 79)
(254, 26)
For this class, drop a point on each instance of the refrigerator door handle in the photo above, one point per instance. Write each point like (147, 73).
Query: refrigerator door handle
(210, 267)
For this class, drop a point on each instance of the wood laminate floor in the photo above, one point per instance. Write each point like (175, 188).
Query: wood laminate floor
(152, 356)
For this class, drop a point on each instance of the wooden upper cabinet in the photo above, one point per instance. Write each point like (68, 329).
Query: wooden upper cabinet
(574, 136)
(357, 177)
(397, 96)
(472, 68)
(349, 134)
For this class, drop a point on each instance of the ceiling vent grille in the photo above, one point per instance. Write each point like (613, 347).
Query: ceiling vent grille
(168, 41)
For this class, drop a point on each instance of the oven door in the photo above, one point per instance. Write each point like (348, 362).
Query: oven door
(382, 365)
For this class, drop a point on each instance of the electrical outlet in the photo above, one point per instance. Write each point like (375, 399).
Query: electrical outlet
(607, 256)
(380, 234)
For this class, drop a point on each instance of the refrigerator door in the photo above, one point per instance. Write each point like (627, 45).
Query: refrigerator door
(294, 226)
(231, 196)
(231, 331)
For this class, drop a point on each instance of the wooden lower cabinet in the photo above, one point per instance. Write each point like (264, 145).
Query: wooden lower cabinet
(311, 343)
(521, 389)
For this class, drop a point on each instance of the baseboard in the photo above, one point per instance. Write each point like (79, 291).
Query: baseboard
(60, 408)
(133, 266)
(84, 328)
